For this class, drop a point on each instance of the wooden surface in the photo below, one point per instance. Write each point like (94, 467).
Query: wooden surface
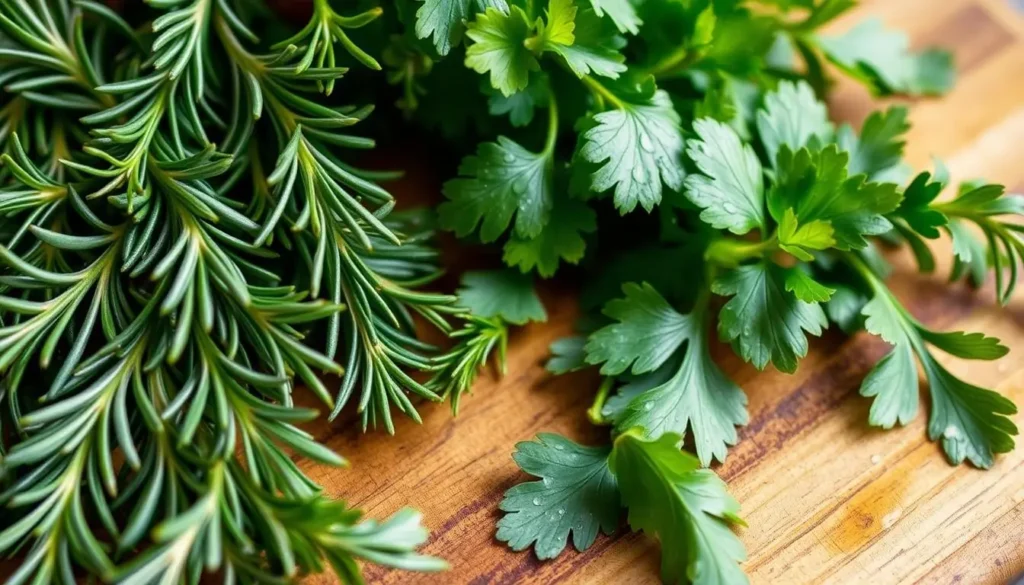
(827, 499)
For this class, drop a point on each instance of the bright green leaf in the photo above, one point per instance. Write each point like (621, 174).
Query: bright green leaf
(503, 179)
(792, 116)
(806, 288)
(561, 239)
(647, 332)
(698, 396)
(730, 190)
(797, 239)
(879, 147)
(577, 494)
(442, 20)
(621, 12)
(638, 147)
(762, 321)
(686, 507)
(881, 58)
(582, 38)
(499, 49)
(816, 187)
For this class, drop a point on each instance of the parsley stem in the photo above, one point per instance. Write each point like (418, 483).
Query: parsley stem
(872, 280)
(549, 143)
(730, 252)
(602, 93)
(594, 412)
(680, 60)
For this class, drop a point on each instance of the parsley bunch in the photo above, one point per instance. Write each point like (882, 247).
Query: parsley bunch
(679, 153)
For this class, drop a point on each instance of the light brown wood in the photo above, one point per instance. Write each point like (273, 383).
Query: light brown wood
(827, 499)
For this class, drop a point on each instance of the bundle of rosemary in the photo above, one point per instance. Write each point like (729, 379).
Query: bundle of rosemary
(183, 244)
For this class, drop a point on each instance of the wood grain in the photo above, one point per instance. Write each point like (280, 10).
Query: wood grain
(827, 499)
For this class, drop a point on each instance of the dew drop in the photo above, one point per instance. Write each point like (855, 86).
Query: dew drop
(876, 459)
(559, 448)
(638, 173)
(561, 512)
(729, 208)
(536, 501)
(509, 158)
(951, 432)
(645, 142)
(648, 406)
(520, 186)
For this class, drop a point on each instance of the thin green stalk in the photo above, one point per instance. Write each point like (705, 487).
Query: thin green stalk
(594, 412)
(602, 93)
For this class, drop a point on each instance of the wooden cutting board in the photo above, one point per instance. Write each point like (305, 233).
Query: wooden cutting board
(827, 499)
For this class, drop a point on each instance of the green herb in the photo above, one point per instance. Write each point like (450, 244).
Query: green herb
(183, 244)
(696, 133)
(184, 240)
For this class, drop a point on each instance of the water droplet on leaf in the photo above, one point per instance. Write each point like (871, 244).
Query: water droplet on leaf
(536, 501)
(645, 142)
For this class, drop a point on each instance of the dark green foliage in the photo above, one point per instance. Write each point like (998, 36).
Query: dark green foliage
(696, 134)
(182, 244)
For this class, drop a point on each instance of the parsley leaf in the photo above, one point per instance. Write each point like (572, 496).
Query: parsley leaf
(731, 189)
(560, 240)
(698, 396)
(815, 186)
(500, 49)
(762, 321)
(797, 239)
(792, 116)
(647, 333)
(881, 58)
(879, 148)
(893, 381)
(971, 421)
(582, 38)
(503, 179)
(844, 308)
(638, 147)
(686, 507)
(621, 12)
(615, 406)
(442, 19)
(521, 105)
(805, 288)
(504, 294)
(970, 256)
(916, 206)
(578, 494)
(567, 355)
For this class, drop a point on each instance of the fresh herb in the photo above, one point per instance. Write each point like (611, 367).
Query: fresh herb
(182, 244)
(687, 164)
(184, 240)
